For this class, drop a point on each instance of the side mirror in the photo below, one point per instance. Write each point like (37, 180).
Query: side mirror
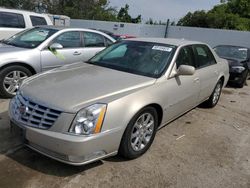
(55, 46)
(185, 70)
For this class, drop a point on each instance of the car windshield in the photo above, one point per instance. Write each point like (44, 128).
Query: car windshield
(30, 38)
(233, 52)
(142, 58)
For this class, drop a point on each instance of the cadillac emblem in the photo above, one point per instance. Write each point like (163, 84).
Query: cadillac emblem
(23, 110)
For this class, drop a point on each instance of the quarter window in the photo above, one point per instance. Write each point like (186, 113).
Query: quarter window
(204, 56)
(93, 40)
(36, 20)
(12, 20)
(69, 39)
(185, 57)
(108, 42)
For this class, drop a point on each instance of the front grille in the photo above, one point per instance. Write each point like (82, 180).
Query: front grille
(32, 114)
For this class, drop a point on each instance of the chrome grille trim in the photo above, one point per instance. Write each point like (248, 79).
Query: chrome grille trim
(35, 115)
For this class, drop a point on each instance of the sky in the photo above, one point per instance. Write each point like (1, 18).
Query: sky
(163, 9)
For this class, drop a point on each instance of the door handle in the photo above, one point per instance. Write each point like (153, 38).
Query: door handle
(196, 79)
(77, 53)
(216, 72)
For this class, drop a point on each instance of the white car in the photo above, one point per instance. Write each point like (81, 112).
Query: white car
(13, 21)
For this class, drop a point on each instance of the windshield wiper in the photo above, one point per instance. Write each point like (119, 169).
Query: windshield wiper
(4, 41)
(8, 43)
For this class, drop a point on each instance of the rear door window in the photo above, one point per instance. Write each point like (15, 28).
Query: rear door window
(93, 40)
(11, 20)
(108, 42)
(36, 20)
(203, 56)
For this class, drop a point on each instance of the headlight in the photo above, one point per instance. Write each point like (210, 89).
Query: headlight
(238, 69)
(89, 120)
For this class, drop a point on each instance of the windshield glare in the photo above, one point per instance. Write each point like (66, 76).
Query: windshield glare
(30, 38)
(143, 58)
(233, 52)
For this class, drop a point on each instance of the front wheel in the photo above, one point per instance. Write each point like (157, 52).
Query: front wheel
(139, 133)
(243, 81)
(215, 96)
(11, 78)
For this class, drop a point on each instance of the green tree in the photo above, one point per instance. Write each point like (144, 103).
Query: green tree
(197, 19)
(150, 21)
(230, 14)
(240, 7)
(123, 16)
(81, 9)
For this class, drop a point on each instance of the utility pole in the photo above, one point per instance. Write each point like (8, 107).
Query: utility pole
(166, 31)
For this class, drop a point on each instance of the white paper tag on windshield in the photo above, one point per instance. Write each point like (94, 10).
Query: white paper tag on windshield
(162, 48)
(242, 49)
(42, 33)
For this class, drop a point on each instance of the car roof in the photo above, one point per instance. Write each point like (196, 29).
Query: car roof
(226, 45)
(21, 11)
(59, 28)
(67, 28)
(51, 27)
(170, 41)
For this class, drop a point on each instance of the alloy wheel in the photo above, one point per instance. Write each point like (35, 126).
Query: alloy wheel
(142, 131)
(217, 92)
(13, 80)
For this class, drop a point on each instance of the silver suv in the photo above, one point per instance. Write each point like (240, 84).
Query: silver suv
(43, 48)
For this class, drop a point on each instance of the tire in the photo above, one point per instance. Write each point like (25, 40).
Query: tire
(215, 96)
(243, 82)
(10, 79)
(144, 135)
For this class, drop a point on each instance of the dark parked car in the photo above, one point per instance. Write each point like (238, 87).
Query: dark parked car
(239, 62)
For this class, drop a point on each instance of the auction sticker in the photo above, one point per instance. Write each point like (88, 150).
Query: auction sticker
(162, 48)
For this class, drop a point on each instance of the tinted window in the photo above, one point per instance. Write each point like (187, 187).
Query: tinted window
(108, 42)
(93, 40)
(11, 20)
(143, 58)
(185, 57)
(233, 52)
(203, 55)
(69, 39)
(36, 20)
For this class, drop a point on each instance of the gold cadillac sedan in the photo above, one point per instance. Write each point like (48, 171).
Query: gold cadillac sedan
(115, 102)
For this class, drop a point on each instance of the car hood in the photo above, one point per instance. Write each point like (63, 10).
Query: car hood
(4, 48)
(234, 61)
(73, 87)
(237, 62)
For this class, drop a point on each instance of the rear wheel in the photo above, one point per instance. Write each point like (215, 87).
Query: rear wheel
(215, 96)
(139, 133)
(11, 78)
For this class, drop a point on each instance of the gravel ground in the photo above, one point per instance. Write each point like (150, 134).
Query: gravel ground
(203, 148)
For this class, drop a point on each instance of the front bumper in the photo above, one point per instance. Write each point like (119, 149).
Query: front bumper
(236, 77)
(67, 148)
